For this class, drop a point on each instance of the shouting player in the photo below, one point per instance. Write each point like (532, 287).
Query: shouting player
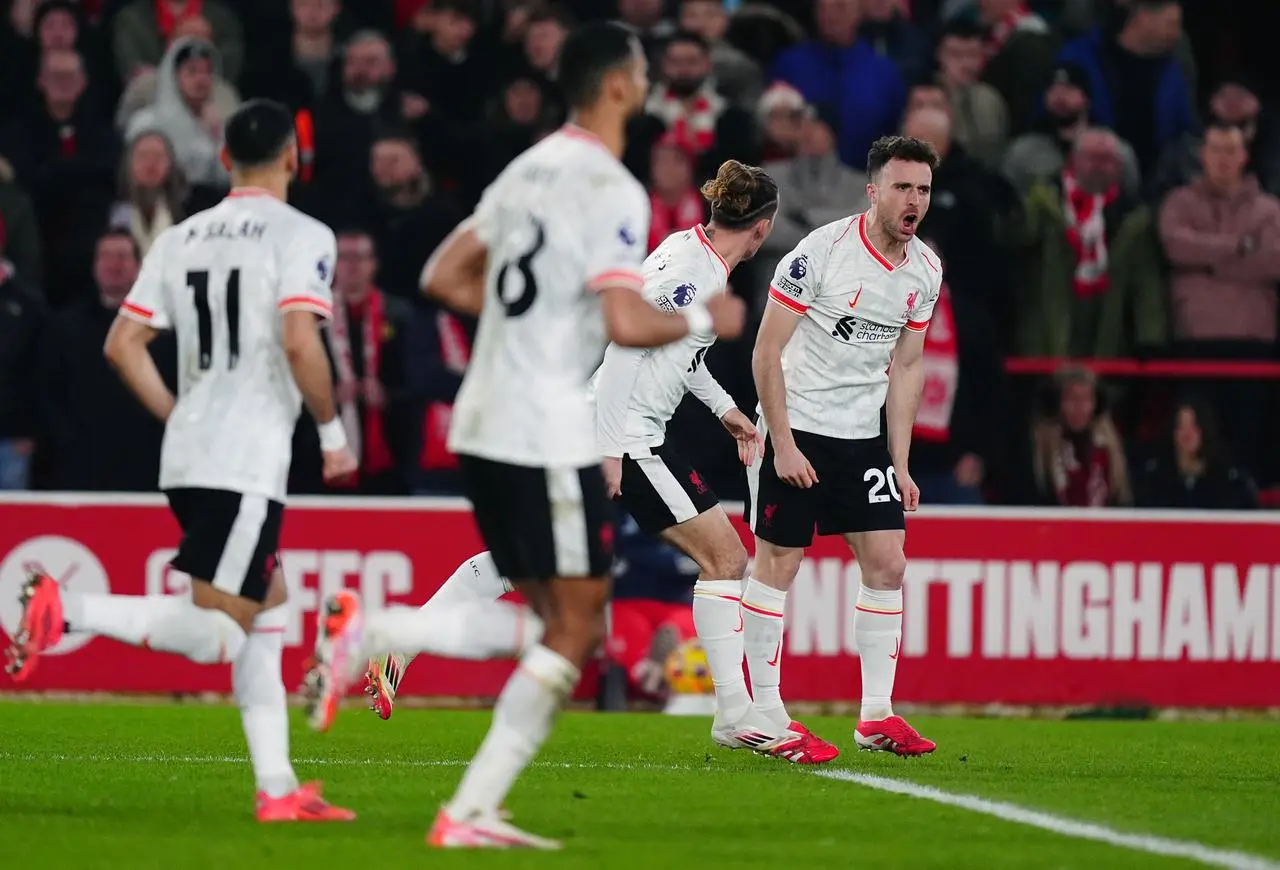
(853, 297)
(243, 285)
(556, 242)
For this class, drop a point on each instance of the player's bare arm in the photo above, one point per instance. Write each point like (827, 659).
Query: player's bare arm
(310, 366)
(454, 274)
(630, 321)
(707, 389)
(906, 382)
(776, 330)
(126, 350)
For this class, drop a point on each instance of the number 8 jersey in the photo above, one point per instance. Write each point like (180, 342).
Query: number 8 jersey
(563, 221)
(221, 280)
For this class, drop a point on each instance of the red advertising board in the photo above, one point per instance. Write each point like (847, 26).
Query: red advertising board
(1002, 606)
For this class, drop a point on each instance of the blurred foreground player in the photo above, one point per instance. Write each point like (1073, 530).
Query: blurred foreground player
(244, 285)
(853, 297)
(551, 261)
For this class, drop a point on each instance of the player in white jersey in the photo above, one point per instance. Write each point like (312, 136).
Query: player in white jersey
(853, 297)
(244, 286)
(551, 259)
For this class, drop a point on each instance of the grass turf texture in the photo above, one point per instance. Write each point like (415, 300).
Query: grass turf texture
(164, 786)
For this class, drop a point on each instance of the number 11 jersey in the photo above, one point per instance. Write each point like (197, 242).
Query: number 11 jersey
(222, 280)
(563, 221)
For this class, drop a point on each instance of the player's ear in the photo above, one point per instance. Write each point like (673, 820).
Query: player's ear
(225, 156)
(871, 192)
(291, 159)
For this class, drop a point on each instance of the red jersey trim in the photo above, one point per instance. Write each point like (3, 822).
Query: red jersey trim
(776, 295)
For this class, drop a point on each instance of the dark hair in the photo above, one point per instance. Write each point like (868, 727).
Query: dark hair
(121, 233)
(1224, 127)
(740, 195)
(258, 132)
(1213, 449)
(907, 148)
(963, 28)
(589, 54)
(462, 8)
(690, 37)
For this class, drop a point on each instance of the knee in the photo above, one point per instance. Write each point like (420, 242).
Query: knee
(575, 635)
(777, 566)
(727, 563)
(885, 570)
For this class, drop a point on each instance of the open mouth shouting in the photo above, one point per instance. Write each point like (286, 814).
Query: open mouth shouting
(910, 221)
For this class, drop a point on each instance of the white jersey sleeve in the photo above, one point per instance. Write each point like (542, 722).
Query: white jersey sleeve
(306, 271)
(617, 224)
(708, 390)
(797, 282)
(484, 218)
(148, 301)
(920, 308)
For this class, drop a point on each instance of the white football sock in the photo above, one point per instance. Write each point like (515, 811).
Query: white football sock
(717, 615)
(762, 620)
(259, 689)
(877, 627)
(522, 720)
(475, 630)
(476, 579)
(166, 623)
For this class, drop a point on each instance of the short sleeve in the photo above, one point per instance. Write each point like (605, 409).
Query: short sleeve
(484, 218)
(306, 272)
(920, 309)
(799, 274)
(147, 301)
(617, 233)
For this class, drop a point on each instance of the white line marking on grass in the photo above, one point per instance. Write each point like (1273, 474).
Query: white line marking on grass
(1059, 825)
(106, 758)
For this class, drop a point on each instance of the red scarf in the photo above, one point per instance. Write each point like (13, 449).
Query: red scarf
(1005, 28)
(668, 219)
(691, 122)
(455, 351)
(1081, 481)
(1085, 214)
(369, 442)
(941, 373)
(166, 20)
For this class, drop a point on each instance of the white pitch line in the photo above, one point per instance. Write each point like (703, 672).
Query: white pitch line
(31, 758)
(1209, 855)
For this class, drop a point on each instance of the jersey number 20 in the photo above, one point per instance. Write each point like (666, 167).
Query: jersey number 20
(524, 265)
(878, 479)
(199, 284)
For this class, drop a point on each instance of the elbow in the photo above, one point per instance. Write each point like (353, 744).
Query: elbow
(115, 350)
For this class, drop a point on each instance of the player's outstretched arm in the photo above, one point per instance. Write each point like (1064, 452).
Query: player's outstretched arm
(454, 274)
(906, 383)
(630, 321)
(126, 350)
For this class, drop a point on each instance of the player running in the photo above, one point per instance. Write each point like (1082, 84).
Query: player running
(556, 241)
(853, 296)
(244, 285)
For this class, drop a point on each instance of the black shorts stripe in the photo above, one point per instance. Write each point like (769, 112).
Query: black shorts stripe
(541, 523)
(662, 490)
(229, 539)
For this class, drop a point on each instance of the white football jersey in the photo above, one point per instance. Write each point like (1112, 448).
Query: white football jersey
(854, 304)
(221, 280)
(564, 219)
(637, 390)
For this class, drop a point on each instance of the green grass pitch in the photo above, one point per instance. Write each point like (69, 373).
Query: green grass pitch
(167, 786)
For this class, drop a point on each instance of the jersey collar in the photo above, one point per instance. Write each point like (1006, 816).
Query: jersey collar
(238, 192)
(706, 243)
(881, 258)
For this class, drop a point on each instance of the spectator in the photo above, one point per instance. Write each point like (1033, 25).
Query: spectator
(1041, 153)
(819, 188)
(886, 27)
(19, 230)
(62, 153)
(1136, 86)
(979, 116)
(780, 114)
(1222, 235)
(1019, 57)
(840, 70)
(544, 33)
(673, 194)
(1093, 261)
(79, 390)
(446, 67)
(364, 344)
(1078, 457)
(738, 78)
(142, 30)
(646, 18)
(311, 43)
(54, 25)
(1234, 103)
(152, 191)
(186, 113)
(521, 116)
(21, 317)
(684, 103)
(1192, 469)
(144, 89)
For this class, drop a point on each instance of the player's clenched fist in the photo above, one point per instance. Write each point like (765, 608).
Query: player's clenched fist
(728, 315)
(791, 466)
(907, 486)
(339, 464)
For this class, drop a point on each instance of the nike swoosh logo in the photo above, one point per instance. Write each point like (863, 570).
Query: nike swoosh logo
(853, 303)
(897, 647)
(777, 654)
(741, 625)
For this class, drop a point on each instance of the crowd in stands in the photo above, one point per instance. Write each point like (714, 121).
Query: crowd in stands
(1108, 189)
